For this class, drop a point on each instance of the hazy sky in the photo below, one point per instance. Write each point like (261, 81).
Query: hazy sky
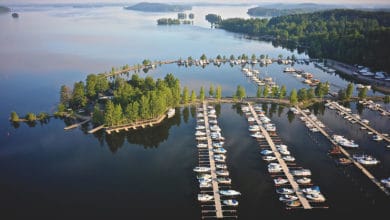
(187, 1)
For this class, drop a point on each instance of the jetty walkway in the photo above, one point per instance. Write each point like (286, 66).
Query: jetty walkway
(346, 154)
(286, 170)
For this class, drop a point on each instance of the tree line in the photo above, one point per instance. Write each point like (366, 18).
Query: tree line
(350, 36)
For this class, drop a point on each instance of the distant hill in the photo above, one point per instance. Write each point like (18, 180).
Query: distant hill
(158, 7)
(4, 9)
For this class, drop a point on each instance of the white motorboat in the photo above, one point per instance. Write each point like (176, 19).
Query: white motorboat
(219, 150)
(205, 197)
(203, 176)
(201, 145)
(171, 112)
(205, 184)
(201, 169)
(365, 121)
(219, 158)
(304, 180)
(251, 119)
(215, 128)
(257, 135)
(311, 190)
(289, 69)
(386, 182)
(377, 138)
(229, 192)
(200, 133)
(318, 197)
(201, 138)
(200, 121)
(217, 144)
(367, 160)
(230, 202)
(224, 180)
(222, 172)
(274, 168)
(301, 172)
(266, 152)
(200, 127)
(270, 127)
(214, 122)
(221, 166)
(200, 115)
(284, 152)
(294, 203)
(287, 198)
(285, 191)
(288, 158)
(269, 158)
(344, 142)
(254, 128)
(280, 181)
(245, 109)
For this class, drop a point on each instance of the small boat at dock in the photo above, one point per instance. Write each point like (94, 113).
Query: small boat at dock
(222, 172)
(343, 161)
(288, 198)
(229, 192)
(201, 169)
(304, 180)
(269, 158)
(171, 112)
(230, 202)
(377, 138)
(294, 203)
(301, 172)
(205, 197)
(224, 180)
(285, 191)
(280, 181)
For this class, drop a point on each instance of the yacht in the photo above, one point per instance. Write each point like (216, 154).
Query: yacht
(218, 144)
(304, 180)
(202, 169)
(288, 158)
(229, 192)
(284, 152)
(214, 122)
(270, 127)
(366, 159)
(200, 115)
(294, 203)
(269, 158)
(365, 121)
(201, 146)
(318, 197)
(311, 190)
(203, 176)
(345, 142)
(221, 166)
(224, 180)
(171, 112)
(377, 138)
(274, 168)
(301, 172)
(257, 135)
(205, 197)
(222, 172)
(219, 158)
(288, 198)
(201, 138)
(289, 69)
(200, 127)
(215, 128)
(266, 152)
(200, 133)
(386, 182)
(251, 119)
(230, 202)
(280, 181)
(219, 150)
(285, 191)
(205, 184)
(254, 128)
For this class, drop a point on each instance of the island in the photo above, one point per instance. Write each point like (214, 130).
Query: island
(287, 9)
(4, 9)
(158, 7)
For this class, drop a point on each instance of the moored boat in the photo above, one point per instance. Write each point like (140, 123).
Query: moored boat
(287, 198)
(304, 180)
(285, 191)
(280, 181)
(269, 158)
(266, 152)
(224, 180)
(229, 192)
(230, 202)
(201, 169)
(301, 172)
(288, 158)
(294, 203)
(205, 197)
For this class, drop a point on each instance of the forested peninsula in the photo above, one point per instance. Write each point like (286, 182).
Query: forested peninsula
(350, 36)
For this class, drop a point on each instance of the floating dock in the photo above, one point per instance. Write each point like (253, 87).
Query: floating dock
(358, 120)
(346, 154)
(76, 125)
(286, 170)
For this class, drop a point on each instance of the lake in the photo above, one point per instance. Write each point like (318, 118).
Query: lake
(147, 174)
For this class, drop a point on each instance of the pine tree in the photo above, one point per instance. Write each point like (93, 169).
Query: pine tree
(265, 91)
(211, 90)
(293, 97)
(201, 94)
(218, 94)
(109, 113)
(185, 96)
(14, 117)
(258, 92)
(193, 96)
(283, 92)
(349, 91)
(363, 93)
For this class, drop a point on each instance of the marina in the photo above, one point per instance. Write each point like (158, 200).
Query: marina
(346, 154)
(212, 164)
(290, 171)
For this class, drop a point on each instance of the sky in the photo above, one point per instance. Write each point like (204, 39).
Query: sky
(213, 1)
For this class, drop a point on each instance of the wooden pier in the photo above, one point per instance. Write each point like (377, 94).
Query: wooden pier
(77, 124)
(217, 198)
(346, 154)
(368, 127)
(95, 129)
(135, 125)
(289, 176)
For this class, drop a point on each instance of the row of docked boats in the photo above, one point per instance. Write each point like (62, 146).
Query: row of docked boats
(282, 155)
(218, 175)
(375, 107)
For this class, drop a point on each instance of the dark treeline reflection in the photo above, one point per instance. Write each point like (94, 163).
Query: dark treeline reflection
(149, 137)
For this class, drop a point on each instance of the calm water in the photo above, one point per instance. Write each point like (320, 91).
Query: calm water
(148, 174)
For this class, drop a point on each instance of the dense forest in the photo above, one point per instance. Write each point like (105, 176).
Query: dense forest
(274, 12)
(122, 101)
(346, 35)
(158, 7)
